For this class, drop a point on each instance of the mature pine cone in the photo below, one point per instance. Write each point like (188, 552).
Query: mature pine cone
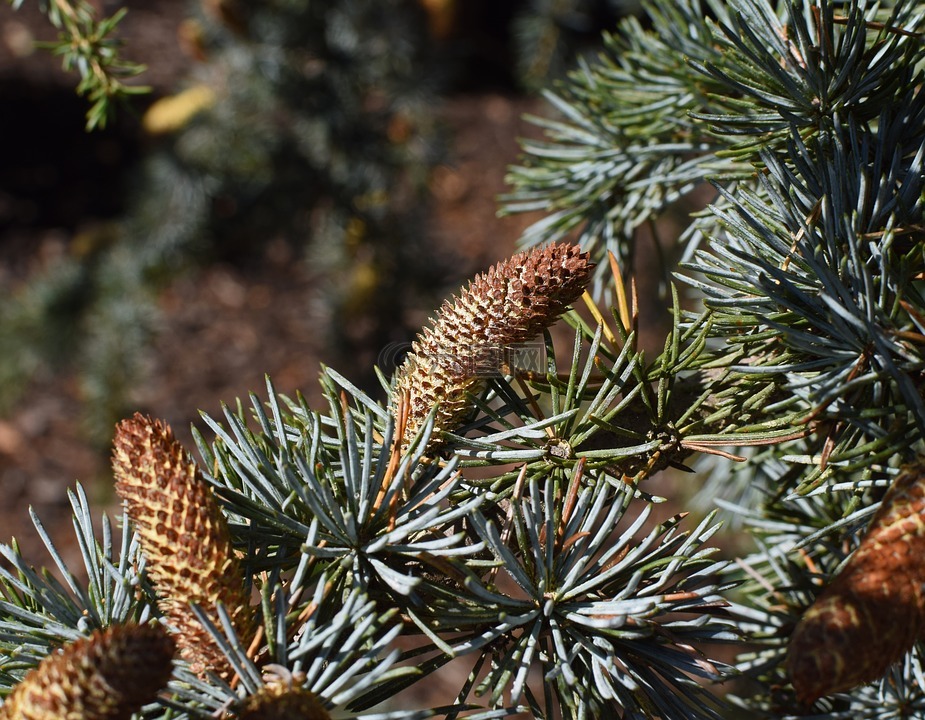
(471, 335)
(106, 676)
(184, 535)
(871, 614)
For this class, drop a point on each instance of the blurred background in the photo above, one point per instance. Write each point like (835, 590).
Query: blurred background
(303, 184)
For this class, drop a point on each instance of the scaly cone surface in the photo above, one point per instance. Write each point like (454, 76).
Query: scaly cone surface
(871, 614)
(184, 535)
(279, 701)
(471, 335)
(107, 676)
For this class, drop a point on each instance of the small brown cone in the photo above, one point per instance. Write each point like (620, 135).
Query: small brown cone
(282, 702)
(871, 614)
(106, 676)
(511, 303)
(184, 535)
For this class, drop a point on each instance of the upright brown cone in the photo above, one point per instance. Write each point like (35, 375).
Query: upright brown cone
(511, 303)
(107, 676)
(872, 613)
(184, 535)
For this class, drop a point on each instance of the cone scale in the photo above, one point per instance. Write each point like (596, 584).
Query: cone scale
(107, 676)
(871, 614)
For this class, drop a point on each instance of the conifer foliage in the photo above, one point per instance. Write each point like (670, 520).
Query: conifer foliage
(511, 527)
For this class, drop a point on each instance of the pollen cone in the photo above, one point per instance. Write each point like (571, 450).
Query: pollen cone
(184, 535)
(106, 676)
(476, 334)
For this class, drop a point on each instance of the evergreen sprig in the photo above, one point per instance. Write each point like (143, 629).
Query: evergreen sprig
(821, 261)
(625, 146)
(41, 609)
(88, 45)
(806, 118)
(522, 533)
(698, 97)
